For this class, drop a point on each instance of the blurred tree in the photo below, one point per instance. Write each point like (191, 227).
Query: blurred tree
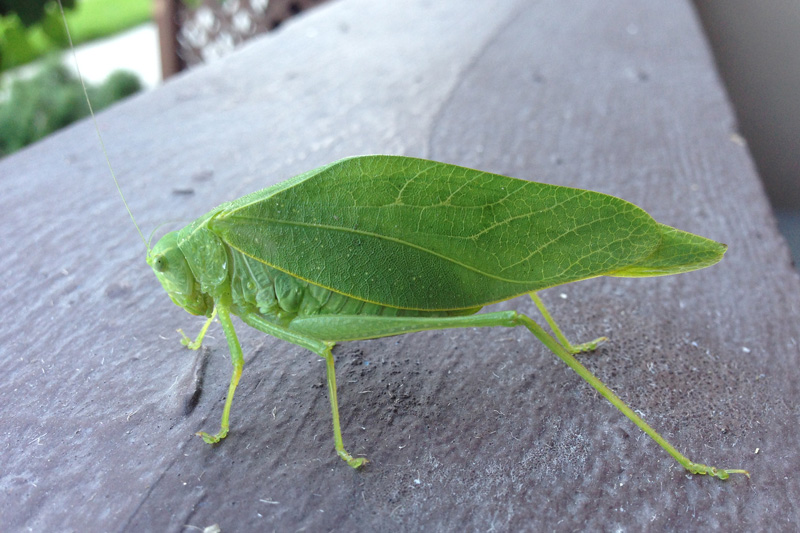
(30, 11)
(16, 16)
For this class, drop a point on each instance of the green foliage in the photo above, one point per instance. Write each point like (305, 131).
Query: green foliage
(51, 100)
(31, 11)
(29, 29)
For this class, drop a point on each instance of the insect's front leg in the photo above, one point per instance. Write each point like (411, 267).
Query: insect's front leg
(562, 339)
(195, 344)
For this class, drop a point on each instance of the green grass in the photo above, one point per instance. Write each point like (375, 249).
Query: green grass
(91, 19)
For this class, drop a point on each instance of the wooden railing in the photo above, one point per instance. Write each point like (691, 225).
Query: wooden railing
(471, 430)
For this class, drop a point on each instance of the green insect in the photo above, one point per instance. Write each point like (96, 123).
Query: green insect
(374, 246)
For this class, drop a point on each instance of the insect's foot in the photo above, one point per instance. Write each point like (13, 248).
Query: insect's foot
(189, 343)
(195, 344)
(212, 439)
(588, 346)
(355, 462)
(701, 469)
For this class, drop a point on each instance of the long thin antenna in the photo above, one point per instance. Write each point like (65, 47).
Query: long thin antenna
(96, 127)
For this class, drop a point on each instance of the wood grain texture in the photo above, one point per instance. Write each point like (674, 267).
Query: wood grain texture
(482, 429)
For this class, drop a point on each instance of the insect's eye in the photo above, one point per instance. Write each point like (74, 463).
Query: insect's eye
(160, 264)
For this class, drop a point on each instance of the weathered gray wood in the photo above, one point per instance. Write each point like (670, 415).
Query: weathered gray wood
(482, 429)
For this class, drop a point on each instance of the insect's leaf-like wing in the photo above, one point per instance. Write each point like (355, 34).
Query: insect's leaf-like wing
(678, 252)
(419, 234)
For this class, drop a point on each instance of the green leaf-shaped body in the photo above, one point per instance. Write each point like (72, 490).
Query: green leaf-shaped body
(416, 234)
(375, 246)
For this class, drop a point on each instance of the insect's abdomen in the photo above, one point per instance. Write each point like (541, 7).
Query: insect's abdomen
(280, 297)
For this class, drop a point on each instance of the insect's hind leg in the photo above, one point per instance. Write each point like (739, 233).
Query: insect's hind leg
(343, 328)
(568, 346)
(582, 371)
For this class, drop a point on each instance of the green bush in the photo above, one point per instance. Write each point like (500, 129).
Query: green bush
(30, 29)
(53, 99)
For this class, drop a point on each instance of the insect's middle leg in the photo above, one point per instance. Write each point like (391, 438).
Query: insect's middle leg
(330, 372)
(237, 360)
(323, 349)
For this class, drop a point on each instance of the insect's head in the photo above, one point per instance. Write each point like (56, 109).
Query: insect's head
(172, 270)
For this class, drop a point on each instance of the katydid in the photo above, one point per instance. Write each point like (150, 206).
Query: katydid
(374, 246)
(378, 245)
